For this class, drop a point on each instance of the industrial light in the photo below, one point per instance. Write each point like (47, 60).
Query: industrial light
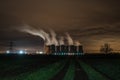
(21, 52)
(7, 51)
(41, 52)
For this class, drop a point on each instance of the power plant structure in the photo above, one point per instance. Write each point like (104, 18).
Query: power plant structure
(57, 45)
(64, 50)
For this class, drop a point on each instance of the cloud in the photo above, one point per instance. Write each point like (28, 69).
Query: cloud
(89, 21)
(102, 30)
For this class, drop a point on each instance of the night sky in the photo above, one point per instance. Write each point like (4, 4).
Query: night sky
(92, 22)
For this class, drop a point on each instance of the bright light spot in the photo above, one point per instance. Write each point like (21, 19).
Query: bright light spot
(41, 52)
(7, 51)
(21, 52)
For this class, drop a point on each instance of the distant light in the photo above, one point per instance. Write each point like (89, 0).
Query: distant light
(41, 52)
(7, 51)
(25, 51)
(37, 52)
(21, 52)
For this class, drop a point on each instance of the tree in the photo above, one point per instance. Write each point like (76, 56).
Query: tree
(106, 48)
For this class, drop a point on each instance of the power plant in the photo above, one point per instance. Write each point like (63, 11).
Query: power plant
(64, 50)
(62, 47)
(57, 45)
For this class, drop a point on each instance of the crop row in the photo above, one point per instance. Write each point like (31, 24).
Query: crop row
(110, 67)
(42, 74)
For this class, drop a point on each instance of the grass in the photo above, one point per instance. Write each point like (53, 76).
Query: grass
(42, 74)
(109, 67)
(45, 73)
(44, 68)
(92, 74)
(70, 73)
(13, 63)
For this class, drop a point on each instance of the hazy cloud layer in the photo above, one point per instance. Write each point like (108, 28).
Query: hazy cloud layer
(93, 22)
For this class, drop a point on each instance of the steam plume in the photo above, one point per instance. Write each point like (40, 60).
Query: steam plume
(53, 37)
(61, 41)
(41, 33)
(33, 31)
(69, 39)
(77, 43)
(47, 37)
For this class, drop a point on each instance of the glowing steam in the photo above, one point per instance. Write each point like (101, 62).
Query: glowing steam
(50, 39)
(61, 41)
(47, 37)
(53, 38)
(69, 39)
(77, 43)
(33, 31)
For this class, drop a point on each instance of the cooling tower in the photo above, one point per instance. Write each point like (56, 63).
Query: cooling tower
(57, 49)
(71, 49)
(80, 49)
(64, 50)
(52, 49)
(75, 49)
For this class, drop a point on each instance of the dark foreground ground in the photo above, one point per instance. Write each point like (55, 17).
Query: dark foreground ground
(41, 67)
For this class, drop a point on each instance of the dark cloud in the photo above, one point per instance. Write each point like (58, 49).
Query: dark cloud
(109, 29)
(92, 22)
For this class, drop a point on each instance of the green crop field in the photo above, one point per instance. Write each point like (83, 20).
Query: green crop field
(110, 67)
(34, 67)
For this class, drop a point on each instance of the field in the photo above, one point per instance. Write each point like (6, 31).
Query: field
(41, 67)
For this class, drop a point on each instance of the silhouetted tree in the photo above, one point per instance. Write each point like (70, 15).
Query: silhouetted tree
(106, 48)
